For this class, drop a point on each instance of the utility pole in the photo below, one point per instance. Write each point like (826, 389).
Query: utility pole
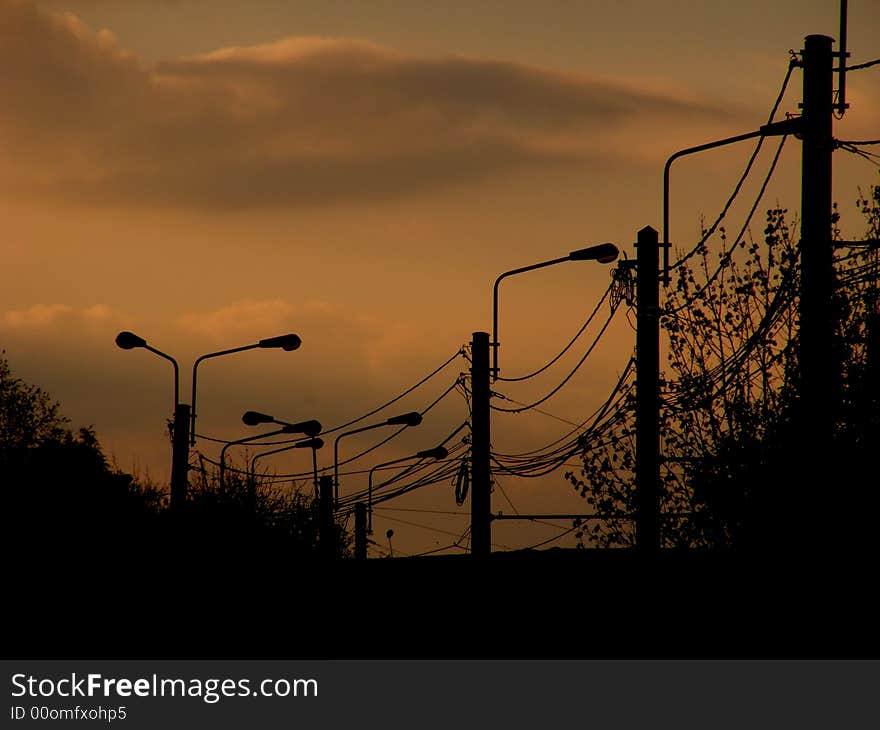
(481, 473)
(819, 388)
(647, 392)
(360, 531)
(326, 523)
(180, 456)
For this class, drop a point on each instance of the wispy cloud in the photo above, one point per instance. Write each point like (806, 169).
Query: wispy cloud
(300, 121)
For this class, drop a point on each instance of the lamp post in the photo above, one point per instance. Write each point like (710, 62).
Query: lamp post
(604, 253)
(126, 340)
(405, 419)
(307, 443)
(438, 452)
(310, 428)
(288, 343)
(238, 442)
(184, 425)
(255, 418)
(771, 129)
(481, 471)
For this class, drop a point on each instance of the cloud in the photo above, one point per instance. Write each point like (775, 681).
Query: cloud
(333, 336)
(48, 316)
(39, 315)
(300, 121)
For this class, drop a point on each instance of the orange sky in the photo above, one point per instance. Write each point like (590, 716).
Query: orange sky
(207, 174)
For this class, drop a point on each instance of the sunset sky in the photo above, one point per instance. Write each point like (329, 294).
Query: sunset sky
(207, 173)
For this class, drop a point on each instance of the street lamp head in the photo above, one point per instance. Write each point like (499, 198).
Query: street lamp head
(438, 452)
(310, 444)
(129, 340)
(604, 253)
(255, 418)
(309, 428)
(285, 342)
(405, 419)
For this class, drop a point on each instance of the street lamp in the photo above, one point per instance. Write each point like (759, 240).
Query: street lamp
(438, 452)
(126, 340)
(306, 427)
(604, 253)
(481, 376)
(255, 418)
(404, 419)
(771, 129)
(308, 443)
(288, 343)
(184, 432)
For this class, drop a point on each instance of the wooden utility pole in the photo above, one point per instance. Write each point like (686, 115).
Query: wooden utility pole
(326, 523)
(360, 531)
(481, 472)
(647, 392)
(819, 379)
(180, 456)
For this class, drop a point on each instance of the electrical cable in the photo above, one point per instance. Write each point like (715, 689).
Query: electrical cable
(567, 347)
(860, 66)
(711, 230)
(552, 539)
(725, 258)
(567, 377)
(459, 353)
(293, 475)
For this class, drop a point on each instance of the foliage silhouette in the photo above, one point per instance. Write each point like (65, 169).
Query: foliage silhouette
(253, 513)
(729, 412)
(63, 499)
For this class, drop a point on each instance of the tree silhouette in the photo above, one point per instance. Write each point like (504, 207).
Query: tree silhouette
(254, 512)
(61, 496)
(729, 410)
(28, 416)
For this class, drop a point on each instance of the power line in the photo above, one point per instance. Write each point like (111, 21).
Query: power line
(459, 353)
(497, 483)
(567, 377)
(366, 451)
(725, 258)
(595, 415)
(409, 390)
(860, 66)
(567, 347)
(711, 230)
(552, 539)
(427, 511)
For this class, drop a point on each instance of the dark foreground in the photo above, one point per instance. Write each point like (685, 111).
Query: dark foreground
(179, 602)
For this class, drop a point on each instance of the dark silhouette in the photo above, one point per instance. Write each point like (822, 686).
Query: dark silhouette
(732, 416)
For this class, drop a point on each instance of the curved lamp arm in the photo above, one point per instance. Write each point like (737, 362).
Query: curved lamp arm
(243, 441)
(604, 253)
(285, 342)
(438, 452)
(405, 419)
